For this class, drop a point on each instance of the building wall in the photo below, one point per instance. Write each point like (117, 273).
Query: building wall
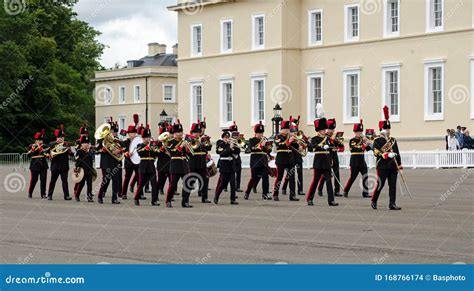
(287, 59)
(127, 109)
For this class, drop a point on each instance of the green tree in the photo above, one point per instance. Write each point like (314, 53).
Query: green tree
(47, 58)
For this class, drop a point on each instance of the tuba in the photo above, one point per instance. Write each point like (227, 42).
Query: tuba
(108, 141)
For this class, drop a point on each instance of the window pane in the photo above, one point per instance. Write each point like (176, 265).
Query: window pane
(353, 95)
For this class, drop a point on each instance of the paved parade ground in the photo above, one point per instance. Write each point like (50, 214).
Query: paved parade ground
(435, 226)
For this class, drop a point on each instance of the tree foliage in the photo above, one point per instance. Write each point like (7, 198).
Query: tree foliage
(47, 59)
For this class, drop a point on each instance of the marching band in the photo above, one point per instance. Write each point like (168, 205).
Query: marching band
(174, 156)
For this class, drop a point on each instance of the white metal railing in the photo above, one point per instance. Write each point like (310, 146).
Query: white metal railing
(410, 159)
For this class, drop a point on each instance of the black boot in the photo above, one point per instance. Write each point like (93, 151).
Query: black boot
(78, 199)
(293, 198)
(233, 202)
(266, 196)
(333, 203)
(100, 200)
(205, 201)
(275, 198)
(346, 194)
(366, 196)
(115, 202)
(283, 192)
(246, 196)
(254, 190)
(310, 203)
(124, 197)
(137, 202)
(374, 205)
(320, 194)
(155, 204)
(67, 198)
(338, 194)
(301, 193)
(216, 200)
(394, 206)
(186, 205)
(169, 205)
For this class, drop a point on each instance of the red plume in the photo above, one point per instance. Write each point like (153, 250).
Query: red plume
(43, 131)
(386, 114)
(299, 117)
(361, 121)
(136, 119)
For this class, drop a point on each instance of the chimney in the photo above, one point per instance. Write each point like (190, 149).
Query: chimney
(155, 48)
(175, 49)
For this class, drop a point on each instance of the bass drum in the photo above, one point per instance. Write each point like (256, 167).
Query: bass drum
(272, 171)
(132, 150)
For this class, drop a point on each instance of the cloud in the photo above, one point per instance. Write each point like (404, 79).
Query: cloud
(128, 26)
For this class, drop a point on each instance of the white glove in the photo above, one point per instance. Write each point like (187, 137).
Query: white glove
(392, 155)
(325, 147)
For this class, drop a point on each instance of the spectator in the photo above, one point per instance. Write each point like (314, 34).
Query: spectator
(459, 135)
(446, 137)
(468, 142)
(453, 143)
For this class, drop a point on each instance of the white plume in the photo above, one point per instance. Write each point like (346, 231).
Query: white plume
(320, 111)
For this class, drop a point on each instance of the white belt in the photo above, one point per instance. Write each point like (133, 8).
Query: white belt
(227, 159)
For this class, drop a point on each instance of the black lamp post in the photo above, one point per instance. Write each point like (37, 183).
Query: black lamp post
(276, 120)
(163, 116)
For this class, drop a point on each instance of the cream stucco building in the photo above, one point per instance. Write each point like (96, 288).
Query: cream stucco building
(237, 59)
(145, 87)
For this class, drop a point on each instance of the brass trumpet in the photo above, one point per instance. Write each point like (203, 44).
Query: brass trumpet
(302, 141)
(239, 142)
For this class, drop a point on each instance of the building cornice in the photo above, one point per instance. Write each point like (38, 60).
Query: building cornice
(195, 5)
(135, 76)
(322, 47)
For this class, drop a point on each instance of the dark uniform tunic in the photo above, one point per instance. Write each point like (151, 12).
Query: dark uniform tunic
(335, 147)
(38, 168)
(259, 157)
(179, 169)
(59, 167)
(111, 171)
(163, 166)
(387, 168)
(320, 145)
(84, 160)
(298, 159)
(357, 165)
(198, 165)
(284, 161)
(147, 171)
(227, 168)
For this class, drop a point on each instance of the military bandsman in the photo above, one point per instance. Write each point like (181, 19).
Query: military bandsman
(38, 165)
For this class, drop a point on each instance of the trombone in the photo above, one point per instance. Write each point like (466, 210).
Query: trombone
(302, 141)
(239, 142)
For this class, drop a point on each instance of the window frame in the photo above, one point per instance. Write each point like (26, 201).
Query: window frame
(120, 118)
(222, 119)
(135, 99)
(194, 52)
(254, 100)
(348, 38)
(346, 118)
(430, 26)
(311, 106)
(122, 98)
(224, 36)
(107, 95)
(385, 97)
(193, 112)
(310, 27)
(173, 93)
(428, 110)
(387, 16)
(256, 46)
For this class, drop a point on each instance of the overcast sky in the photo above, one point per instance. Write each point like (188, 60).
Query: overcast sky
(127, 26)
